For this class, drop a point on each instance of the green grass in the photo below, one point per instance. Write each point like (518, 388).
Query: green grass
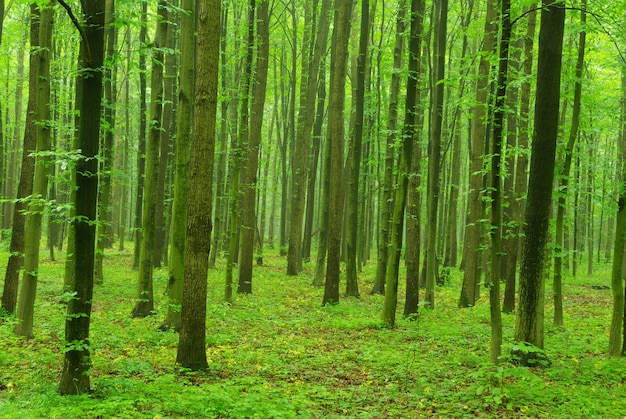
(279, 354)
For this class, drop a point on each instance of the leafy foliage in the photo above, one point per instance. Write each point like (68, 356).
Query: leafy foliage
(278, 353)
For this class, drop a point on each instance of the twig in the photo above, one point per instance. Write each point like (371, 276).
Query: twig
(81, 31)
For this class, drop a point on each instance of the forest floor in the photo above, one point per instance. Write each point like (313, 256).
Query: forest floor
(277, 353)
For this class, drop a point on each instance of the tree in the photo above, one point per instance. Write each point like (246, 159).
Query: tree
(192, 341)
(76, 363)
(496, 185)
(181, 176)
(386, 201)
(250, 169)
(25, 186)
(530, 315)
(406, 154)
(434, 147)
(352, 284)
(616, 347)
(339, 58)
(144, 305)
(471, 245)
(564, 172)
(34, 214)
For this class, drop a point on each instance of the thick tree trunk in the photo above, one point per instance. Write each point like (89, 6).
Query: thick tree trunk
(530, 315)
(192, 342)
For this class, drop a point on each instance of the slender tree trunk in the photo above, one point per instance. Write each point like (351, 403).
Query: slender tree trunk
(250, 169)
(408, 139)
(106, 150)
(386, 201)
(352, 284)
(521, 172)
(564, 173)
(496, 185)
(32, 227)
(75, 378)
(192, 342)
(181, 178)
(434, 149)
(25, 187)
(339, 61)
(144, 305)
(471, 245)
(141, 147)
(530, 315)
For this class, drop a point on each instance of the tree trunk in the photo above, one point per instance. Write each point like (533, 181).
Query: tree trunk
(106, 150)
(471, 245)
(144, 305)
(496, 186)
(181, 178)
(192, 342)
(434, 149)
(406, 153)
(32, 227)
(25, 187)
(356, 140)
(529, 321)
(521, 172)
(386, 201)
(141, 146)
(564, 173)
(75, 378)
(339, 60)
(250, 169)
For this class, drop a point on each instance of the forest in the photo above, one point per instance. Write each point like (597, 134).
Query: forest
(312, 208)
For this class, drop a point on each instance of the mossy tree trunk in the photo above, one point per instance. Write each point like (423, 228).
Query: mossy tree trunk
(356, 144)
(36, 204)
(338, 65)
(406, 154)
(144, 305)
(25, 186)
(386, 201)
(564, 173)
(473, 229)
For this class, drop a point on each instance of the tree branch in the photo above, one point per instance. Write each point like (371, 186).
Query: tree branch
(81, 31)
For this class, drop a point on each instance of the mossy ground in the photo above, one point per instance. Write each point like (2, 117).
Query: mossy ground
(277, 353)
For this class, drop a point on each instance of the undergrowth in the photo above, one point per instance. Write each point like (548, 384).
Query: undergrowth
(277, 353)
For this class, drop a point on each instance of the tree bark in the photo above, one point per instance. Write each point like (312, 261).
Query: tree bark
(339, 58)
(529, 320)
(144, 305)
(250, 169)
(184, 127)
(192, 341)
(75, 378)
(564, 173)
(35, 209)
